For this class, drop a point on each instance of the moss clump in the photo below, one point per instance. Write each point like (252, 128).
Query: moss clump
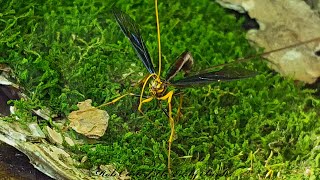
(65, 52)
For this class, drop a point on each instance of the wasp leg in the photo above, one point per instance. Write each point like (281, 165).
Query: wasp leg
(141, 82)
(140, 110)
(144, 101)
(108, 103)
(168, 97)
(269, 167)
(179, 114)
(116, 99)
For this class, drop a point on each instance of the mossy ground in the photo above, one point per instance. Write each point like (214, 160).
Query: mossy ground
(66, 52)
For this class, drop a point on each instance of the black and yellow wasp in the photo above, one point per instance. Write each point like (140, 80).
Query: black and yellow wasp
(157, 85)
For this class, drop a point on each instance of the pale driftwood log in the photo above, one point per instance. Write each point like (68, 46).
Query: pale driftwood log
(51, 159)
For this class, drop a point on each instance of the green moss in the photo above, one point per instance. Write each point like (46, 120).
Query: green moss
(67, 52)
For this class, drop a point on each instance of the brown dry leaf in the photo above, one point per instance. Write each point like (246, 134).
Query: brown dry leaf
(283, 23)
(88, 120)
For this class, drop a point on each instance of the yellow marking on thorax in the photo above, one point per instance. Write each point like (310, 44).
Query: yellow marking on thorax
(157, 88)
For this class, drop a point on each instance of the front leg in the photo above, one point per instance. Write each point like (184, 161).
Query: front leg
(144, 101)
(168, 97)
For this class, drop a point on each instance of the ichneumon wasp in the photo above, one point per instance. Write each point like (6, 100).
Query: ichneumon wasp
(158, 86)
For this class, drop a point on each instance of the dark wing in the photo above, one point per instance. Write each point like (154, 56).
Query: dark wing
(184, 62)
(225, 74)
(131, 31)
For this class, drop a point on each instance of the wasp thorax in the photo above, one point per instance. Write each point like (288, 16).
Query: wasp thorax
(156, 87)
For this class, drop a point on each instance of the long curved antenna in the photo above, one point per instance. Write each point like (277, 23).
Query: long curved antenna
(158, 35)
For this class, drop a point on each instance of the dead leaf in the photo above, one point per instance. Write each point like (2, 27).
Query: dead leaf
(88, 120)
(283, 23)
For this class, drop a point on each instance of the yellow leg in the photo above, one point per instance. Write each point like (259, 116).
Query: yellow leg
(142, 90)
(141, 82)
(269, 167)
(179, 114)
(144, 101)
(115, 100)
(108, 103)
(168, 97)
(140, 110)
